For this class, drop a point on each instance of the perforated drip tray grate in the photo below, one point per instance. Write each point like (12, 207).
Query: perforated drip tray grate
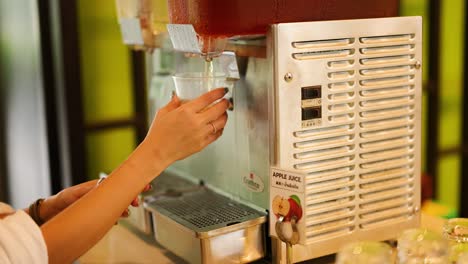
(204, 210)
(170, 184)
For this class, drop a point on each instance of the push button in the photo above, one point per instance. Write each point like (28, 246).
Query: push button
(311, 92)
(311, 113)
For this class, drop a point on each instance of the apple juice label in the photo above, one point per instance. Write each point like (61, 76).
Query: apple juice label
(287, 180)
(287, 200)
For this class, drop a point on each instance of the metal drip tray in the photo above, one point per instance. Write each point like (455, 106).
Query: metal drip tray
(204, 211)
(205, 227)
(166, 184)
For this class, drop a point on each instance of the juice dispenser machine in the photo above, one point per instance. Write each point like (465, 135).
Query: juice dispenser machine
(323, 145)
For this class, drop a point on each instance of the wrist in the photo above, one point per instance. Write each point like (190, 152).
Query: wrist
(34, 211)
(47, 210)
(149, 160)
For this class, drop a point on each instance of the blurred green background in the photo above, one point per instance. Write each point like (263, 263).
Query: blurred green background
(451, 56)
(106, 79)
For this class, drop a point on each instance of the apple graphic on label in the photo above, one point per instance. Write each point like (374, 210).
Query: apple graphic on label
(287, 207)
(280, 206)
(295, 208)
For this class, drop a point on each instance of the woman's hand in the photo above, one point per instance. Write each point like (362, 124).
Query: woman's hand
(57, 203)
(180, 130)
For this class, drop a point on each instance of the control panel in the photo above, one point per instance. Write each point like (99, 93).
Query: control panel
(311, 103)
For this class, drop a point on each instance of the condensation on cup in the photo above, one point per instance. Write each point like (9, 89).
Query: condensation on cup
(421, 245)
(369, 252)
(190, 85)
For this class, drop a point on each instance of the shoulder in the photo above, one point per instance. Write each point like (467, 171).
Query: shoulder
(21, 239)
(5, 210)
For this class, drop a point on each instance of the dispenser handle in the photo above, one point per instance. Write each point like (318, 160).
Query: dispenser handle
(294, 239)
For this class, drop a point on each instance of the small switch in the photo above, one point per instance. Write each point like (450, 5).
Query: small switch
(311, 92)
(311, 113)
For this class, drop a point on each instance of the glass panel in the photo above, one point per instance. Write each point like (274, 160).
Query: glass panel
(448, 190)
(106, 150)
(452, 15)
(105, 62)
(451, 96)
(451, 72)
(23, 117)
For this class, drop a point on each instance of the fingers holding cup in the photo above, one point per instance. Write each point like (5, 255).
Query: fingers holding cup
(213, 137)
(205, 100)
(217, 125)
(215, 111)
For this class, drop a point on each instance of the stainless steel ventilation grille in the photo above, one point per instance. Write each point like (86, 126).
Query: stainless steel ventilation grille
(204, 210)
(360, 158)
(328, 155)
(361, 167)
(387, 129)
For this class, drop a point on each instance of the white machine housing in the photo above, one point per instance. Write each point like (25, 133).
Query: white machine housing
(347, 107)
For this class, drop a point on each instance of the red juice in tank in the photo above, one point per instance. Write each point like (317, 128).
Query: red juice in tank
(226, 18)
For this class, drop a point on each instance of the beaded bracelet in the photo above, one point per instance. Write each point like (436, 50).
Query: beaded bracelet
(34, 211)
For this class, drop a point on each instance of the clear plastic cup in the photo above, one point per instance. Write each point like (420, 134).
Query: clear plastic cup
(190, 85)
(420, 245)
(456, 232)
(368, 252)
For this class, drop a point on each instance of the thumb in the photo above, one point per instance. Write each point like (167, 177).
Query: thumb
(71, 194)
(80, 190)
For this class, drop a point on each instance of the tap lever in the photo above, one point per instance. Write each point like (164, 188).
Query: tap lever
(292, 240)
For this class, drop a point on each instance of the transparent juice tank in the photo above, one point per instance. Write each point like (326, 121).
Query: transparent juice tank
(142, 22)
(215, 20)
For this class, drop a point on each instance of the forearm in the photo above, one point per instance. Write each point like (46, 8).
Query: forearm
(72, 232)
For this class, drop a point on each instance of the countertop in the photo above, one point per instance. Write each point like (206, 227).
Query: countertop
(124, 244)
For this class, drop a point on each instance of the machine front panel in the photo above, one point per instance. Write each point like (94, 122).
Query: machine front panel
(348, 119)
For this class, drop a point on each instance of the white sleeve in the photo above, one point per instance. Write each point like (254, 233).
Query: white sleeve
(21, 240)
